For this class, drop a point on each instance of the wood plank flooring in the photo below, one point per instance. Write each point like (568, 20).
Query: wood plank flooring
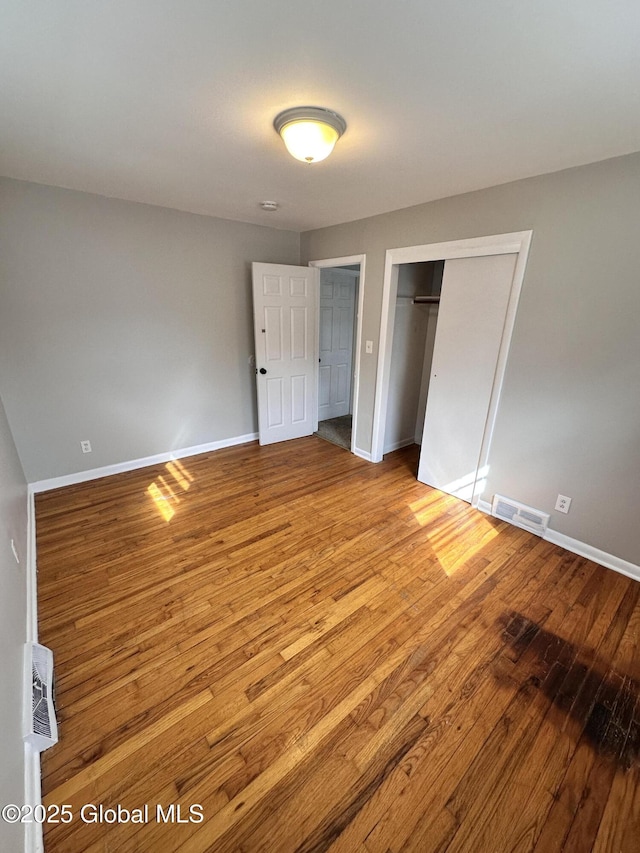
(307, 652)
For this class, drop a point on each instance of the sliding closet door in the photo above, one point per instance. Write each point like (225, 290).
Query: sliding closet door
(471, 317)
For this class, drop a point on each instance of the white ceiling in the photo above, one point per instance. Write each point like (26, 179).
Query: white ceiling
(171, 102)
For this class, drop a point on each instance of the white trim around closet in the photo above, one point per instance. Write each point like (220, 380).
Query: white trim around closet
(498, 244)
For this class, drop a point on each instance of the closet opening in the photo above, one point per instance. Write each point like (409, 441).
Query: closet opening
(448, 313)
(414, 332)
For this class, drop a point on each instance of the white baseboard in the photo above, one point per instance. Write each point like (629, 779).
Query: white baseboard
(121, 467)
(609, 561)
(397, 445)
(33, 837)
(363, 454)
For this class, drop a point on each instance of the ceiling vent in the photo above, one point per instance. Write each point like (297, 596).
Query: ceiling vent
(41, 728)
(519, 514)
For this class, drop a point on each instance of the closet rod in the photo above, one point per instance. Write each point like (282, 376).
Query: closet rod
(418, 300)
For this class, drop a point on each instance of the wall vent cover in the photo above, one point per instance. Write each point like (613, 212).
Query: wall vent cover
(519, 514)
(41, 728)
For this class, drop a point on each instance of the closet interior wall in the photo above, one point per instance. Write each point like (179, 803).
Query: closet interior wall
(414, 333)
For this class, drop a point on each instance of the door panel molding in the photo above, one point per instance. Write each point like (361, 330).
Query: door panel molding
(337, 337)
(285, 328)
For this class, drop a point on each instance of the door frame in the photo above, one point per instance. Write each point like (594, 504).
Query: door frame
(342, 262)
(518, 243)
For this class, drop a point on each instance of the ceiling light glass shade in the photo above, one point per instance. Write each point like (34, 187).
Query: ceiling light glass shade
(310, 133)
(309, 141)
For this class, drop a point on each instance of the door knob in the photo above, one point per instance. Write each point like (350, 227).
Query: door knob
(262, 370)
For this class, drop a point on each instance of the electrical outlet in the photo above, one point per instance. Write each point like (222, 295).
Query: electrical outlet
(15, 551)
(86, 446)
(563, 503)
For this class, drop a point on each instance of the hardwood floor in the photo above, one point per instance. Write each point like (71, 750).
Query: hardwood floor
(323, 653)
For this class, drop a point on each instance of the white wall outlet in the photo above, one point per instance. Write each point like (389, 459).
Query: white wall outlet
(86, 446)
(563, 503)
(15, 551)
(368, 347)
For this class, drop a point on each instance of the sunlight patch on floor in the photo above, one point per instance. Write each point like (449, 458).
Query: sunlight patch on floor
(455, 536)
(162, 492)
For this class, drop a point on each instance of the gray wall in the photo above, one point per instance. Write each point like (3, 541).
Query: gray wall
(569, 419)
(125, 324)
(13, 621)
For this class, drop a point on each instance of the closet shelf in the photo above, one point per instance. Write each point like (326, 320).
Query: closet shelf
(423, 300)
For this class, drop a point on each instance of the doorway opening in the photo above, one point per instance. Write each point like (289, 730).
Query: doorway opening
(339, 322)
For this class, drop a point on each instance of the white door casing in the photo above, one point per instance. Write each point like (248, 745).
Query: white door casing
(284, 311)
(337, 309)
(361, 262)
(471, 319)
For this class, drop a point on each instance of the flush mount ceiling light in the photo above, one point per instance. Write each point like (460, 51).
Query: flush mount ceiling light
(309, 132)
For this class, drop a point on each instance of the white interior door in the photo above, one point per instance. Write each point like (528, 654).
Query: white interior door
(284, 312)
(337, 311)
(471, 322)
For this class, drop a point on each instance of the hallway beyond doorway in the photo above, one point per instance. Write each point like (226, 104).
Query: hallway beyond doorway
(337, 430)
